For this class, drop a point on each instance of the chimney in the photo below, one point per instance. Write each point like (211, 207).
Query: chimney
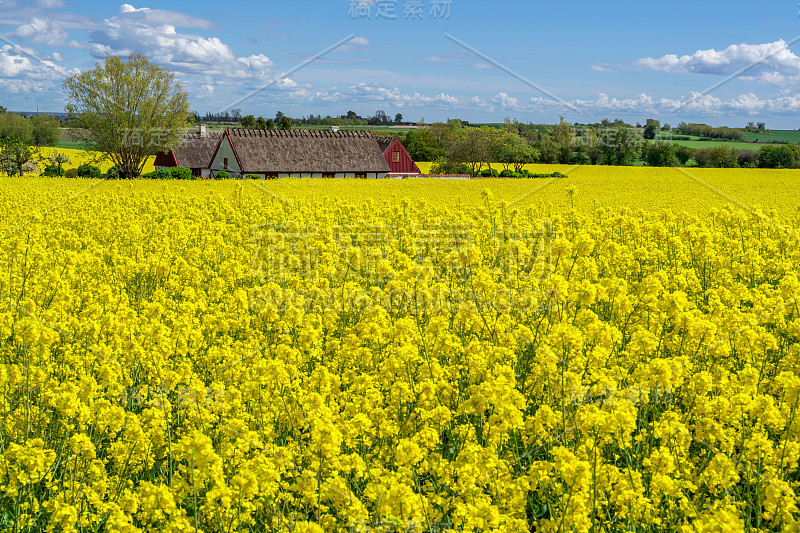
(202, 131)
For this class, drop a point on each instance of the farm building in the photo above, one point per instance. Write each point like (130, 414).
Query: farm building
(299, 154)
(397, 157)
(195, 153)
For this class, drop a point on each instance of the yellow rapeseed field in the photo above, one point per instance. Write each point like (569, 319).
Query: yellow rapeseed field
(79, 157)
(613, 351)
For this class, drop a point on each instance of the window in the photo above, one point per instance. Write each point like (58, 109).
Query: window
(328, 175)
(396, 157)
(225, 162)
(196, 172)
(361, 175)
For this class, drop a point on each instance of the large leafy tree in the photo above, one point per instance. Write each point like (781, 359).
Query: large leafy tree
(17, 156)
(128, 110)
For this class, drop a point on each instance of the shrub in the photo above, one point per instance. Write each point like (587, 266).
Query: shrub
(684, 154)
(489, 173)
(52, 171)
(113, 173)
(71, 173)
(253, 177)
(748, 158)
(222, 175)
(717, 157)
(88, 171)
(661, 154)
(158, 174)
(181, 173)
(509, 174)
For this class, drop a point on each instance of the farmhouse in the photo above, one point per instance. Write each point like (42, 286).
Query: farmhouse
(298, 154)
(397, 157)
(291, 154)
(195, 153)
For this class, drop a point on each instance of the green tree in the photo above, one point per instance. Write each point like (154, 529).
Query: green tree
(684, 153)
(661, 154)
(128, 110)
(511, 150)
(564, 136)
(261, 123)
(58, 160)
(778, 156)
(717, 157)
(270, 125)
(285, 124)
(591, 145)
(620, 146)
(472, 147)
(651, 129)
(13, 126)
(398, 118)
(17, 156)
(249, 121)
(45, 130)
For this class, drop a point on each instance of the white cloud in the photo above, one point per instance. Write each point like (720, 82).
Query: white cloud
(360, 41)
(772, 63)
(439, 59)
(41, 31)
(50, 4)
(506, 102)
(153, 33)
(20, 62)
(368, 92)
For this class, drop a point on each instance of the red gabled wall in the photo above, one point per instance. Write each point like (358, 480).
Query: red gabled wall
(406, 165)
(165, 160)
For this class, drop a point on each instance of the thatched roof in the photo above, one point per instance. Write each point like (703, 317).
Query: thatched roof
(385, 142)
(196, 151)
(263, 151)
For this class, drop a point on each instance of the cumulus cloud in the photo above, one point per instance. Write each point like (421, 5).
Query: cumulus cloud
(42, 31)
(772, 63)
(153, 32)
(21, 63)
(694, 104)
(369, 92)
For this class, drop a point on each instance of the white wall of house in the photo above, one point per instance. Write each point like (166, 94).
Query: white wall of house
(226, 151)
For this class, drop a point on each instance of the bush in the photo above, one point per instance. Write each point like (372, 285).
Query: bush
(684, 154)
(748, 158)
(253, 177)
(88, 171)
(158, 174)
(509, 174)
(222, 175)
(113, 173)
(778, 157)
(181, 173)
(489, 173)
(717, 157)
(52, 171)
(442, 166)
(661, 154)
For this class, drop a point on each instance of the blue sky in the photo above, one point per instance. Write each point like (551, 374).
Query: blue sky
(586, 60)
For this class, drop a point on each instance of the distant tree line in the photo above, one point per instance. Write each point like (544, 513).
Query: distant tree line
(455, 147)
(20, 137)
(710, 132)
